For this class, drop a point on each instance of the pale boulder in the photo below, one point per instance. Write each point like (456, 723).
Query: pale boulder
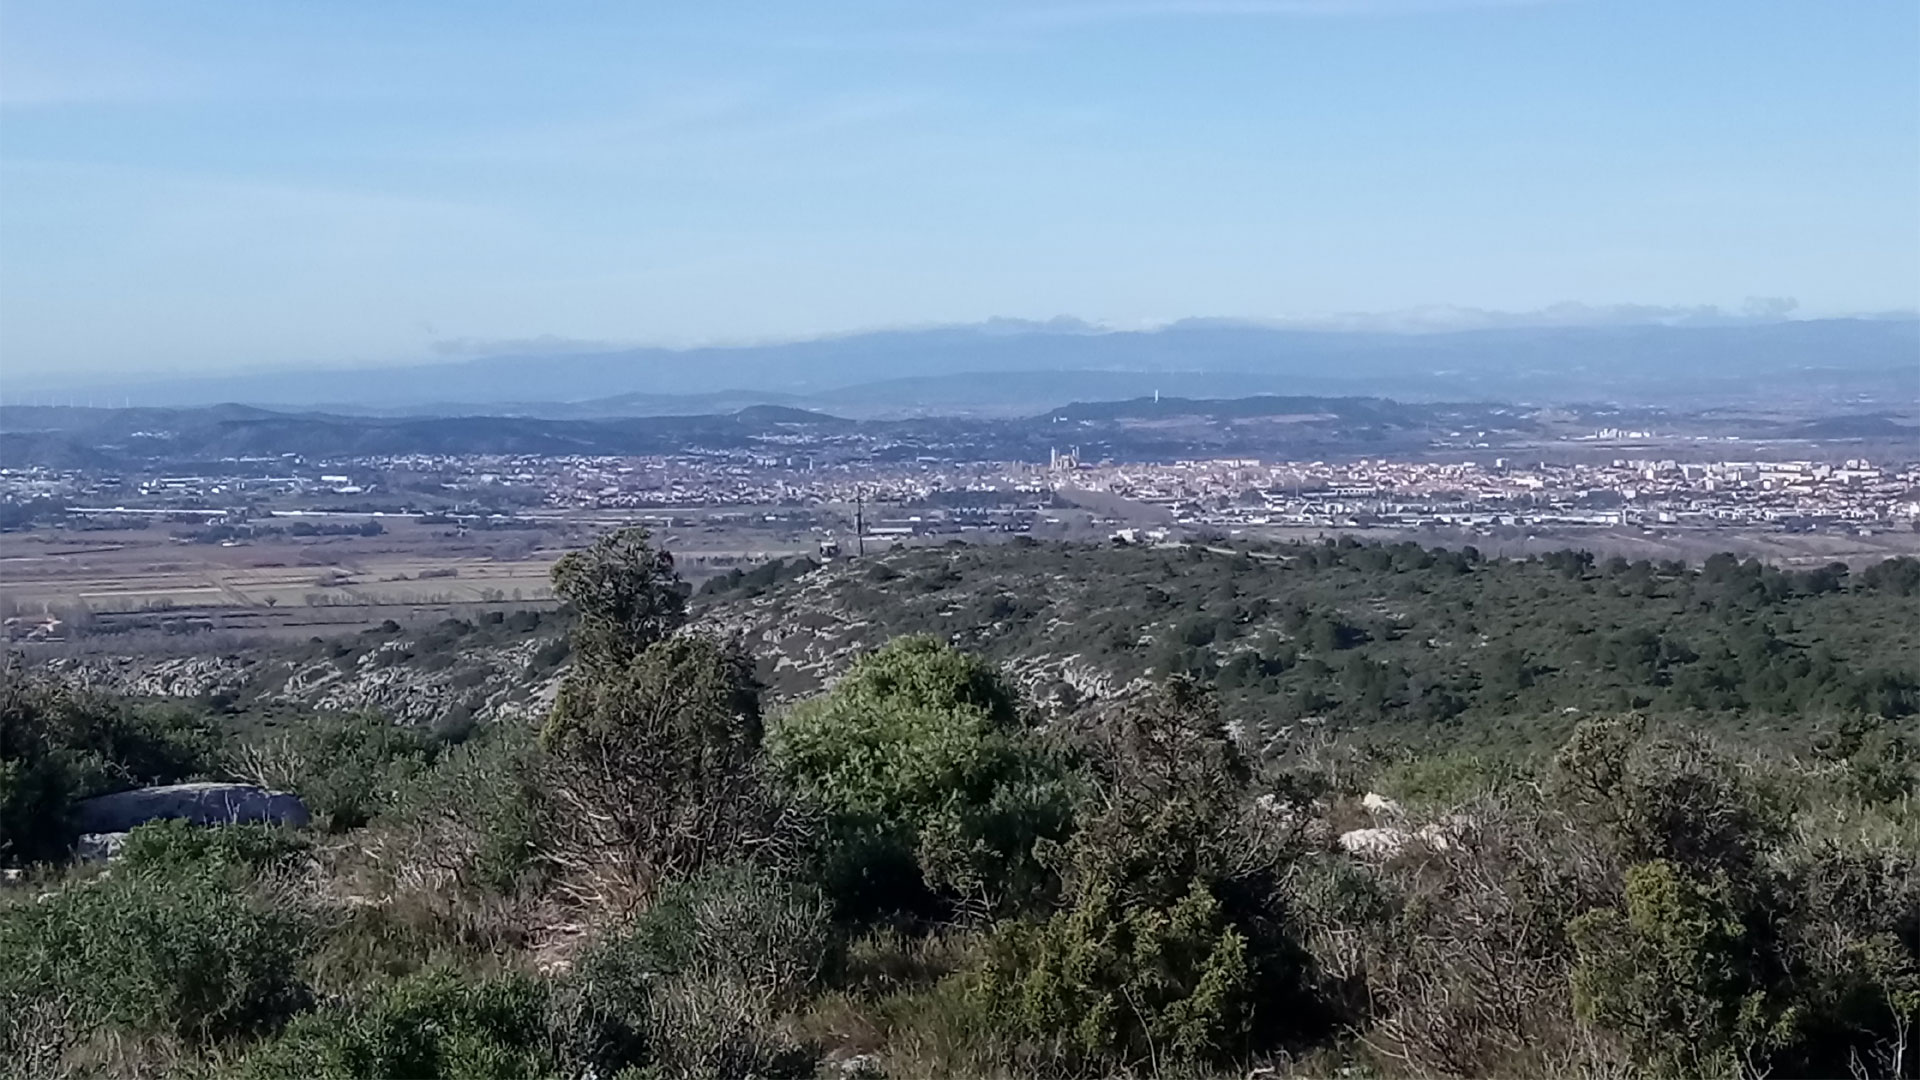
(1387, 841)
(1379, 843)
(1379, 805)
(99, 846)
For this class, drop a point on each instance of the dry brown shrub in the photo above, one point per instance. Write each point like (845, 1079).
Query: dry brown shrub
(1452, 958)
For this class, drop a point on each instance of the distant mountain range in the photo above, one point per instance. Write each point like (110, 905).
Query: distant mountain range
(1143, 429)
(1010, 368)
(1148, 428)
(64, 437)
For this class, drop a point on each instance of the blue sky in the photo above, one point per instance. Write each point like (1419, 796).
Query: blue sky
(202, 186)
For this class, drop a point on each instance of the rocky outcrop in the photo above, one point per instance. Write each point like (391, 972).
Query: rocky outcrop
(199, 803)
(490, 683)
(179, 676)
(486, 683)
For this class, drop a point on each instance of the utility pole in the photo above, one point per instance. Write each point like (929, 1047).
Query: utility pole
(859, 523)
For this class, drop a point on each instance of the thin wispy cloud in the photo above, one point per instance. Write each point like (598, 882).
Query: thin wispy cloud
(940, 37)
(1126, 10)
(718, 130)
(986, 29)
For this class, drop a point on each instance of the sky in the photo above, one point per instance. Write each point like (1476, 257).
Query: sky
(211, 186)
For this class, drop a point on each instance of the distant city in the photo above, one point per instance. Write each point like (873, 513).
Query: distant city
(1857, 494)
(248, 520)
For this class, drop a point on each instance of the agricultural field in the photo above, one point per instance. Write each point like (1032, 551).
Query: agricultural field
(146, 569)
(122, 578)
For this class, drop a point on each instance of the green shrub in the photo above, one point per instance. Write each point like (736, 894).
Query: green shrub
(427, 1027)
(929, 779)
(1168, 800)
(695, 985)
(650, 767)
(1847, 927)
(1881, 758)
(169, 846)
(58, 746)
(1674, 799)
(1437, 779)
(1670, 974)
(474, 819)
(188, 952)
(1167, 942)
(1106, 979)
(177, 942)
(1856, 1003)
(347, 769)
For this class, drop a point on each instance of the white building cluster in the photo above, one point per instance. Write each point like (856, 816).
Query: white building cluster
(1624, 491)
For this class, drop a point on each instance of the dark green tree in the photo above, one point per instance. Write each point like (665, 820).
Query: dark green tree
(625, 593)
(1670, 973)
(1163, 949)
(653, 769)
(1676, 799)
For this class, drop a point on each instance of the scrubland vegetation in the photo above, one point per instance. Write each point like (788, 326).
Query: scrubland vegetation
(1420, 646)
(924, 871)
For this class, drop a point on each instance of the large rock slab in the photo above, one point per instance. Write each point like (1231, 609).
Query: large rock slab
(200, 803)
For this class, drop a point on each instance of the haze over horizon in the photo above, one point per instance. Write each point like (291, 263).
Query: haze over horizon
(1410, 322)
(268, 186)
